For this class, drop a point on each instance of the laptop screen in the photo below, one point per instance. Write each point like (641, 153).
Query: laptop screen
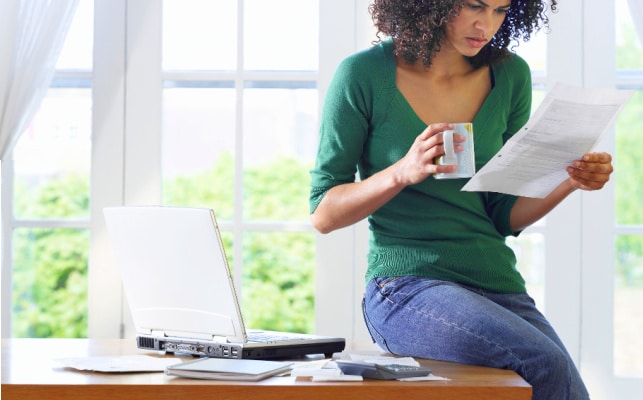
(175, 272)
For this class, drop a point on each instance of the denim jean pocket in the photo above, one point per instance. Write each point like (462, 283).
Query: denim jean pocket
(376, 337)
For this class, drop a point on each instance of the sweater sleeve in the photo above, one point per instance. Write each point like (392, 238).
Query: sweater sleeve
(499, 205)
(343, 129)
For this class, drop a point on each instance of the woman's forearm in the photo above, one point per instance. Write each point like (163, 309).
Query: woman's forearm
(528, 210)
(591, 172)
(349, 203)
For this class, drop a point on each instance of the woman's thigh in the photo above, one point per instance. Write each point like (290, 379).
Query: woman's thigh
(442, 320)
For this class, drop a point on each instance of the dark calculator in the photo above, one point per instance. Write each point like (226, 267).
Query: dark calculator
(381, 371)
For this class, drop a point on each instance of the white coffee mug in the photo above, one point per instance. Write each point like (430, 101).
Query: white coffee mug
(465, 159)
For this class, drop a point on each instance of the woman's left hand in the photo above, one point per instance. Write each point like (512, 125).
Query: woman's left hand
(591, 172)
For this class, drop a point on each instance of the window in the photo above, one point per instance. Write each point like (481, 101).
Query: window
(239, 136)
(628, 291)
(49, 242)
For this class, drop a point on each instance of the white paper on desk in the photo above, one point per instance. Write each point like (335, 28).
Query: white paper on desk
(377, 358)
(129, 363)
(429, 377)
(568, 123)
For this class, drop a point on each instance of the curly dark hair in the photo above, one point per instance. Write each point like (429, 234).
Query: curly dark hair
(418, 27)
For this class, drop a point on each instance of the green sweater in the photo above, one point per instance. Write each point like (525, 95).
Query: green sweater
(431, 229)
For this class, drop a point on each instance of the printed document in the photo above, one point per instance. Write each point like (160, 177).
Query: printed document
(569, 123)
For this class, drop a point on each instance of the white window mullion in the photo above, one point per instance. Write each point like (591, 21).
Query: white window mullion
(599, 236)
(143, 112)
(563, 224)
(238, 226)
(126, 141)
(6, 245)
(107, 171)
(143, 90)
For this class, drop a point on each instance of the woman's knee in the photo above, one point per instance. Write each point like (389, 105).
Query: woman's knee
(553, 375)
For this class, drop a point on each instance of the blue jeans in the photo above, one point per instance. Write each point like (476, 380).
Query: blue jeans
(426, 318)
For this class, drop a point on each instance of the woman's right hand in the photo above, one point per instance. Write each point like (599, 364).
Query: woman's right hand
(418, 163)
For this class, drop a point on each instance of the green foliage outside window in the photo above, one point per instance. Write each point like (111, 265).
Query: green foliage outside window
(50, 283)
(50, 265)
(279, 281)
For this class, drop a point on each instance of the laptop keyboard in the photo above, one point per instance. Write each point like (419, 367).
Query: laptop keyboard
(265, 337)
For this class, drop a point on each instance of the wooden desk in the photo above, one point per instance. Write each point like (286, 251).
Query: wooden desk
(30, 372)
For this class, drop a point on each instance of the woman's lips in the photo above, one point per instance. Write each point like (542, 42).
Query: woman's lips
(476, 42)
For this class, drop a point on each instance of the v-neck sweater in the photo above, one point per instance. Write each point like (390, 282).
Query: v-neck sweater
(430, 229)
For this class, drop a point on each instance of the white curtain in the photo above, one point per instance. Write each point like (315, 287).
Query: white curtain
(636, 11)
(32, 33)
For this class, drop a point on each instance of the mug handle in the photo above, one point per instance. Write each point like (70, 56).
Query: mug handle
(450, 158)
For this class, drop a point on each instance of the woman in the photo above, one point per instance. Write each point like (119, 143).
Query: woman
(441, 281)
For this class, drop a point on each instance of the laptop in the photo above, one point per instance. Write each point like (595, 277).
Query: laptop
(180, 290)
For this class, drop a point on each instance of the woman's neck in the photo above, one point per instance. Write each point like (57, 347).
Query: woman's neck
(445, 65)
